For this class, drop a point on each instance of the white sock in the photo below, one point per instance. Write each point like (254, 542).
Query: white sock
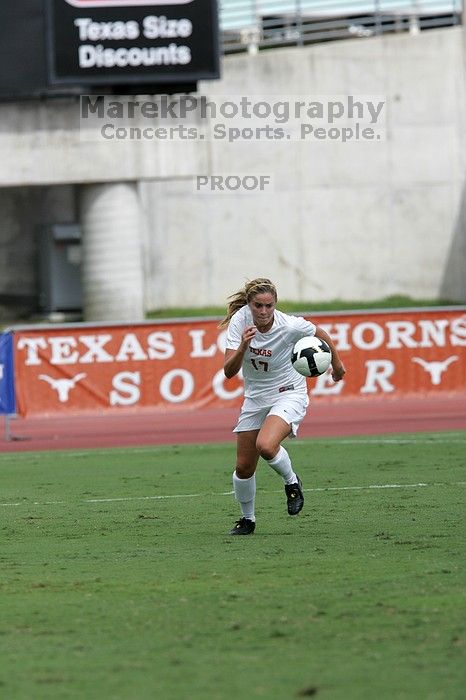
(245, 494)
(281, 463)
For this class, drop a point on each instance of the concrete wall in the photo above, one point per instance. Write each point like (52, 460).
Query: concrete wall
(349, 221)
(354, 221)
(454, 273)
(45, 143)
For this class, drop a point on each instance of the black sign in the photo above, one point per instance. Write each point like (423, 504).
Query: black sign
(96, 42)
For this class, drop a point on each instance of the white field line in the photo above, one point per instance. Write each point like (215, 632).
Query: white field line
(230, 493)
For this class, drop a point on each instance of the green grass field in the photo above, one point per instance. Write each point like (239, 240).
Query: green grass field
(397, 301)
(118, 579)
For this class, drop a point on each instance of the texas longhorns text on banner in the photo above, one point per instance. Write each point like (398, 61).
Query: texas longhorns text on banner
(160, 365)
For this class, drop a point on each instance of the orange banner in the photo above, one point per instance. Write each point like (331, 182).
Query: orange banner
(85, 368)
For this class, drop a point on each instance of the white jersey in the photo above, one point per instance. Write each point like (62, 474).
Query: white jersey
(267, 368)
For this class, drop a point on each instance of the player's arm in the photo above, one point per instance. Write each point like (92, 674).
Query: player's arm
(234, 358)
(338, 369)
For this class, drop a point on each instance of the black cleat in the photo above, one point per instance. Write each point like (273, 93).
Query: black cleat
(243, 527)
(294, 497)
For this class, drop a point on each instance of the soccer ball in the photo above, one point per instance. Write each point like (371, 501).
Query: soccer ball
(311, 356)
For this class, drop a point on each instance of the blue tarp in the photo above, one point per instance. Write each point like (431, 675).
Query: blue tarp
(7, 380)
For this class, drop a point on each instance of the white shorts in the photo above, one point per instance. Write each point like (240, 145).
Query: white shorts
(291, 409)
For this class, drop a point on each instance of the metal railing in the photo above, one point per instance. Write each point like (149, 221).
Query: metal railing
(250, 25)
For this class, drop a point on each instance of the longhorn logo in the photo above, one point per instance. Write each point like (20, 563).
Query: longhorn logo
(435, 369)
(62, 386)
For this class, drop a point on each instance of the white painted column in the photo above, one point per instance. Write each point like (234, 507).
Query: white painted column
(113, 280)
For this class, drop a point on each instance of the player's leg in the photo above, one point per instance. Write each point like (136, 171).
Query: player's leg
(274, 430)
(244, 481)
(272, 433)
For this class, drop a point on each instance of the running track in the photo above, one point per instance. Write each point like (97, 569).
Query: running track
(324, 419)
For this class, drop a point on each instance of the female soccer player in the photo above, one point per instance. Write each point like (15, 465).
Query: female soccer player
(259, 341)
